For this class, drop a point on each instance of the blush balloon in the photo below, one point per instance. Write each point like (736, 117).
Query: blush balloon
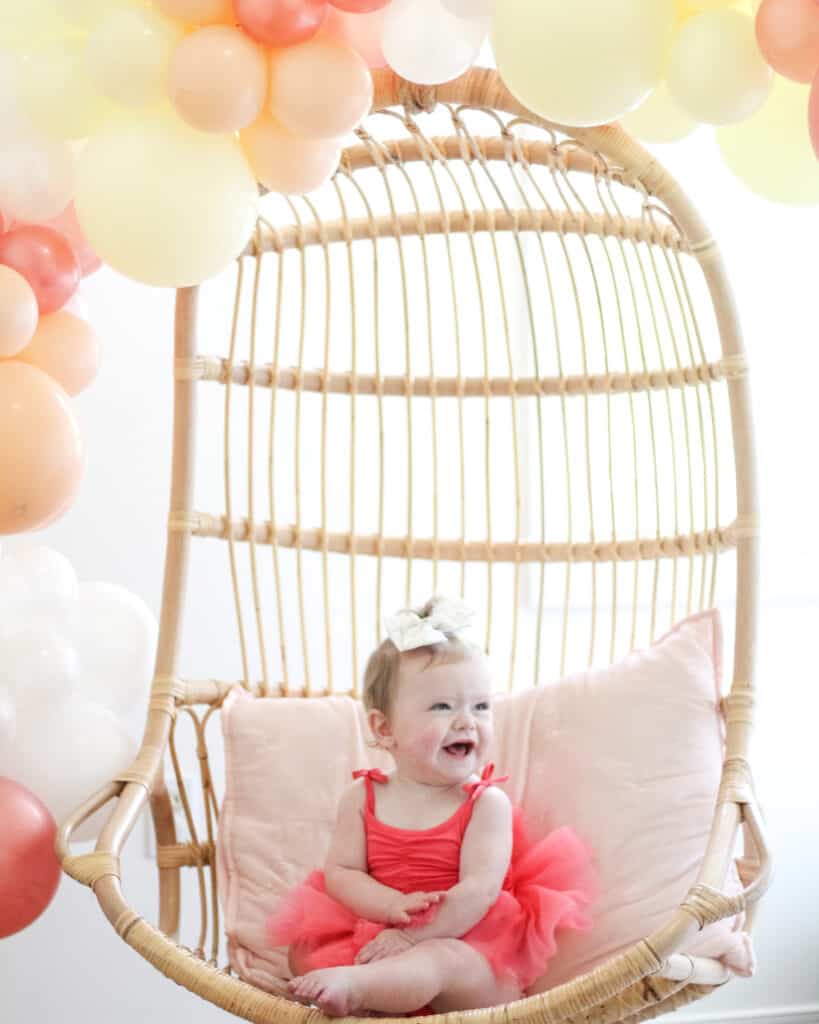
(66, 348)
(361, 32)
(29, 869)
(46, 260)
(18, 312)
(280, 22)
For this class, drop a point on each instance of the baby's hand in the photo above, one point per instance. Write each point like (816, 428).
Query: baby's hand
(390, 942)
(400, 909)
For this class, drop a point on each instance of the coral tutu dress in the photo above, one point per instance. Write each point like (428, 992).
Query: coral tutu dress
(548, 887)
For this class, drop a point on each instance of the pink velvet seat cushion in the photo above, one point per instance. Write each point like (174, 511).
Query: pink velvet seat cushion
(630, 755)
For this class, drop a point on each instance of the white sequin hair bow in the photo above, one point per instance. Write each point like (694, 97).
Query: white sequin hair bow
(408, 630)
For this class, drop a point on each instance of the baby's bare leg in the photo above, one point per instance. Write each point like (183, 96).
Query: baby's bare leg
(446, 973)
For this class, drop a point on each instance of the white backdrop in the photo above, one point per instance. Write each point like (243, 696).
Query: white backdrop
(71, 965)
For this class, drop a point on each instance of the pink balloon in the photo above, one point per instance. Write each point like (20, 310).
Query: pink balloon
(29, 869)
(45, 259)
(68, 225)
(359, 6)
(319, 89)
(280, 22)
(362, 32)
(66, 348)
(42, 456)
(787, 32)
(5, 222)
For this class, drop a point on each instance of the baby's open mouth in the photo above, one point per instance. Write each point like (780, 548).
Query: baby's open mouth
(462, 749)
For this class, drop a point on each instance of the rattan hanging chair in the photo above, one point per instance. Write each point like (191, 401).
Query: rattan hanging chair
(531, 388)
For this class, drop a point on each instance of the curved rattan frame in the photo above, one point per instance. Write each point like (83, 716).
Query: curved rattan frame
(649, 978)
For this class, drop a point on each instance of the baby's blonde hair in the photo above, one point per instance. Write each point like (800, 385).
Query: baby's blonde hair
(381, 673)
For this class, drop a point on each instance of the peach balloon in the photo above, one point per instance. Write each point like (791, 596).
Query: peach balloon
(360, 31)
(18, 312)
(319, 89)
(217, 79)
(198, 12)
(45, 259)
(67, 349)
(788, 35)
(287, 163)
(42, 456)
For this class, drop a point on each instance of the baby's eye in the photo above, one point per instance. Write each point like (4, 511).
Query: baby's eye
(482, 705)
(442, 704)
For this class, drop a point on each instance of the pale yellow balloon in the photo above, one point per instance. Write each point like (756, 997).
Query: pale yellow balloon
(83, 13)
(57, 93)
(128, 54)
(217, 79)
(716, 72)
(288, 163)
(698, 6)
(30, 24)
(658, 119)
(771, 152)
(163, 203)
(198, 12)
(582, 63)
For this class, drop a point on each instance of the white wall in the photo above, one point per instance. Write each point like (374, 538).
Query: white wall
(70, 964)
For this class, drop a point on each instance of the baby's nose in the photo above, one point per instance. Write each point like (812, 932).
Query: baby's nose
(464, 719)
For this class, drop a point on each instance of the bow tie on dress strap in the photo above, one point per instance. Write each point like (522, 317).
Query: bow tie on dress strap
(408, 630)
(485, 782)
(370, 773)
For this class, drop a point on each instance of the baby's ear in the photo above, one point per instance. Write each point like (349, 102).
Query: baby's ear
(380, 727)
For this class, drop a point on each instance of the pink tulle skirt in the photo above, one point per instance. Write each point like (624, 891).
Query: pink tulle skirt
(549, 886)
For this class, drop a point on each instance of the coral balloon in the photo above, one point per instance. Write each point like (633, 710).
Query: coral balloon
(288, 163)
(319, 89)
(42, 456)
(715, 70)
(217, 79)
(67, 349)
(280, 22)
(171, 219)
(658, 119)
(426, 43)
(359, 6)
(361, 32)
(198, 12)
(57, 93)
(771, 151)
(18, 312)
(68, 226)
(788, 35)
(128, 54)
(45, 259)
(576, 65)
(36, 177)
(29, 869)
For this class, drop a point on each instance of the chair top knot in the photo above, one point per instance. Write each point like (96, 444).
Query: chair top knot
(415, 98)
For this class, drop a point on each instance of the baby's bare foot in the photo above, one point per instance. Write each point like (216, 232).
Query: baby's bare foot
(332, 989)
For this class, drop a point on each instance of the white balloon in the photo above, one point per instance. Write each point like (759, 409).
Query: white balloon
(66, 753)
(36, 178)
(428, 44)
(115, 636)
(35, 581)
(8, 722)
(37, 665)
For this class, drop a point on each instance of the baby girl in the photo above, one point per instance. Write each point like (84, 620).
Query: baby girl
(432, 898)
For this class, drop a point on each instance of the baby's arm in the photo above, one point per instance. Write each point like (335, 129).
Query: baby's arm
(345, 873)
(485, 855)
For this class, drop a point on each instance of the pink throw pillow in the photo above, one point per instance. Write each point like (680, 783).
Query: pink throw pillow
(630, 755)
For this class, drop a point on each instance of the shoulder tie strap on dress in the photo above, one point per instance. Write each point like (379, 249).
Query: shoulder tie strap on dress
(474, 789)
(370, 775)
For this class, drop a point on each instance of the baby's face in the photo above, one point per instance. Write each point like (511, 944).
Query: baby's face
(442, 718)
